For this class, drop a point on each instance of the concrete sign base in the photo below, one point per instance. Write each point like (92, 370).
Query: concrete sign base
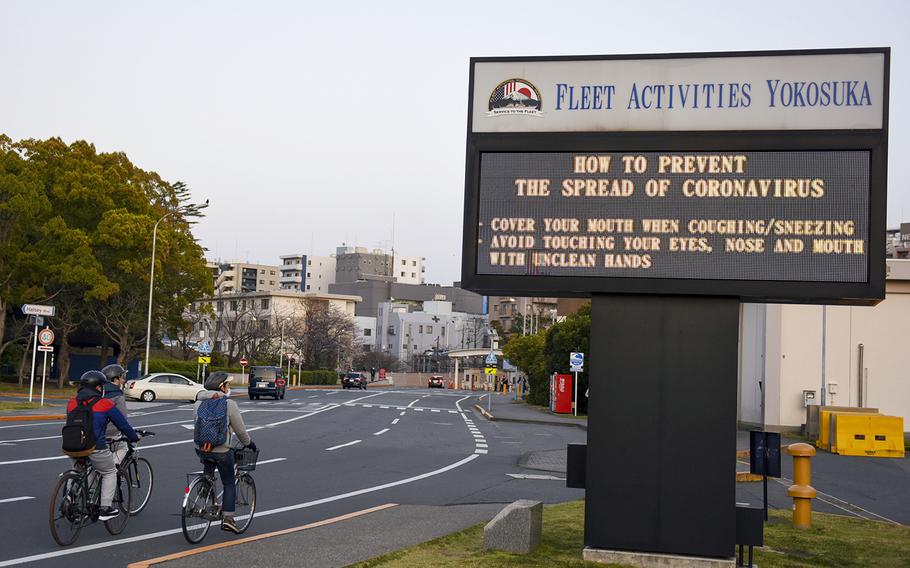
(650, 560)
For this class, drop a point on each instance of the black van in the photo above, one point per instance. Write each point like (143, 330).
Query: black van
(267, 381)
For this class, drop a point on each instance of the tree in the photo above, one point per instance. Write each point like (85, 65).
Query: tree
(325, 336)
(366, 360)
(571, 334)
(527, 353)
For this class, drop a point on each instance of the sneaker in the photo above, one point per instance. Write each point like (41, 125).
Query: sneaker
(108, 513)
(227, 524)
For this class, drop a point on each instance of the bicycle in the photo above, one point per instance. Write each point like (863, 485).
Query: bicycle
(138, 472)
(76, 501)
(202, 499)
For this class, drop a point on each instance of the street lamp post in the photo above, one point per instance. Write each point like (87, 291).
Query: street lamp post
(148, 329)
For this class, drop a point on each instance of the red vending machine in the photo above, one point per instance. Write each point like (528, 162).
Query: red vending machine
(561, 394)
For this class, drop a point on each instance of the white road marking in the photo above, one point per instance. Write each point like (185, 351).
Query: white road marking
(453, 412)
(189, 426)
(384, 407)
(343, 445)
(413, 403)
(149, 536)
(367, 405)
(402, 414)
(383, 431)
(482, 445)
(165, 444)
(10, 500)
(442, 423)
(535, 476)
(480, 451)
(58, 423)
(313, 396)
(418, 409)
(434, 410)
(458, 402)
(273, 460)
(396, 421)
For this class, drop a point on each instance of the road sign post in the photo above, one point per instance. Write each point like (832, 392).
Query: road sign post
(576, 365)
(31, 382)
(243, 363)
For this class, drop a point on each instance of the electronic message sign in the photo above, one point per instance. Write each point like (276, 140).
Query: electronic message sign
(760, 176)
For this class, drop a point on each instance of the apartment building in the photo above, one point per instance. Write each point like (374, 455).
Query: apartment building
(236, 277)
(404, 333)
(307, 273)
(518, 314)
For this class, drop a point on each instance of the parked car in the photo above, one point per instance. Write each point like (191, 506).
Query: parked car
(436, 381)
(267, 381)
(164, 386)
(354, 381)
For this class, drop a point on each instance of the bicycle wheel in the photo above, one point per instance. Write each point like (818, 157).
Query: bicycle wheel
(246, 502)
(196, 514)
(66, 513)
(122, 502)
(142, 479)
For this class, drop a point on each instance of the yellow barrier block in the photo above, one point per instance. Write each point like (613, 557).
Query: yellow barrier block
(825, 430)
(873, 435)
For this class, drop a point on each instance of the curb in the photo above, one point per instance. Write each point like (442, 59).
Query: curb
(26, 417)
(25, 395)
(544, 423)
(486, 414)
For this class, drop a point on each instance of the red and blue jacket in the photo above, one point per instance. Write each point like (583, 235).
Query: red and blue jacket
(103, 412)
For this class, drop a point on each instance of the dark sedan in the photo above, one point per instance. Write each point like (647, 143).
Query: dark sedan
(354, 381)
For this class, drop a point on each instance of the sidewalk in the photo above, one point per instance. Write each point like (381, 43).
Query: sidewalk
(349, 540)
(504, 408)
(53, 409)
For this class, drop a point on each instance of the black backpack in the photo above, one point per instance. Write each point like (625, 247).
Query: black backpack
(79, 432)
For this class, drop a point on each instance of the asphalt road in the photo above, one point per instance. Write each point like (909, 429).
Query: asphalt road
(323, 453)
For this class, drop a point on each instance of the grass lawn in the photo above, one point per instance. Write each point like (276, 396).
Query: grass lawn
(832, 541)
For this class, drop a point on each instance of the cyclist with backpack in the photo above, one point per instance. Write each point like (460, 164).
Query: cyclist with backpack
(87, 416)
(113, 390)
(216, 417)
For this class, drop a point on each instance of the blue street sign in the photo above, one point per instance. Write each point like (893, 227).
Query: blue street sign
(206, 347)
(490, 360)
(576, 362)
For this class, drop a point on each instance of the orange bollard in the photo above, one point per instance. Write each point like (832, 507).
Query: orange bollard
(801, 492)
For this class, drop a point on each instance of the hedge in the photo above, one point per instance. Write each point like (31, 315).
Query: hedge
(188, 368)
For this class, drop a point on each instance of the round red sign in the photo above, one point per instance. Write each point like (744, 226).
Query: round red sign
(244, 361)
(280, 382)
(45, 337)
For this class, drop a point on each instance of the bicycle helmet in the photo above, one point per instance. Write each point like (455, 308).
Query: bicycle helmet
(114, 371)
(217, 379)
(92, 379)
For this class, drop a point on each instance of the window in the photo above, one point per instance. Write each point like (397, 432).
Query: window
(262, 271)
(233, 305)
(307, 286)
(264, 304)
(309, 275)
(413, 263)
(402, 274)
(220, 306)
(161, 379)
(443, 330)
(420, 329)
(309, 263)
(430, 329)
(262, 281)
(271, 282)
(404, 263)
(413, 275)
(367, 332)
(242, 304)
(271, 273)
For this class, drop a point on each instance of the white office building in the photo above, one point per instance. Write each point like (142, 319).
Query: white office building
(405, 334)
(409, 269)
(307, 273)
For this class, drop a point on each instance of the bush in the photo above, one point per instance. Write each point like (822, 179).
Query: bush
(318, 378)
(186, 368)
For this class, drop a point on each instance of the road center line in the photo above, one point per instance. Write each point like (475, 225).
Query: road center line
(381, 432)
(11, 499)
(343, 445)
(273, 460)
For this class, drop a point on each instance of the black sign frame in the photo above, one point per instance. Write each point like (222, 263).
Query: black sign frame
(875, 141)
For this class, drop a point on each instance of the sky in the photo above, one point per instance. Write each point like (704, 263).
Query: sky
(309, 125)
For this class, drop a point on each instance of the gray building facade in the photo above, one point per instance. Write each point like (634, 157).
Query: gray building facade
(375, 292)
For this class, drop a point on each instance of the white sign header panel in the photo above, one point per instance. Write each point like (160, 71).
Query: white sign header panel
(691, 93)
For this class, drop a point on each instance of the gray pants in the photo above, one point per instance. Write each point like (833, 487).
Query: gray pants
(103, 464)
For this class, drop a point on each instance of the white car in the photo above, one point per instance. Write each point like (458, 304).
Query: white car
(166, 386)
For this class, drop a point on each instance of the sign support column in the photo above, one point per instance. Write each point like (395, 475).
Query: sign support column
(31, 382)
